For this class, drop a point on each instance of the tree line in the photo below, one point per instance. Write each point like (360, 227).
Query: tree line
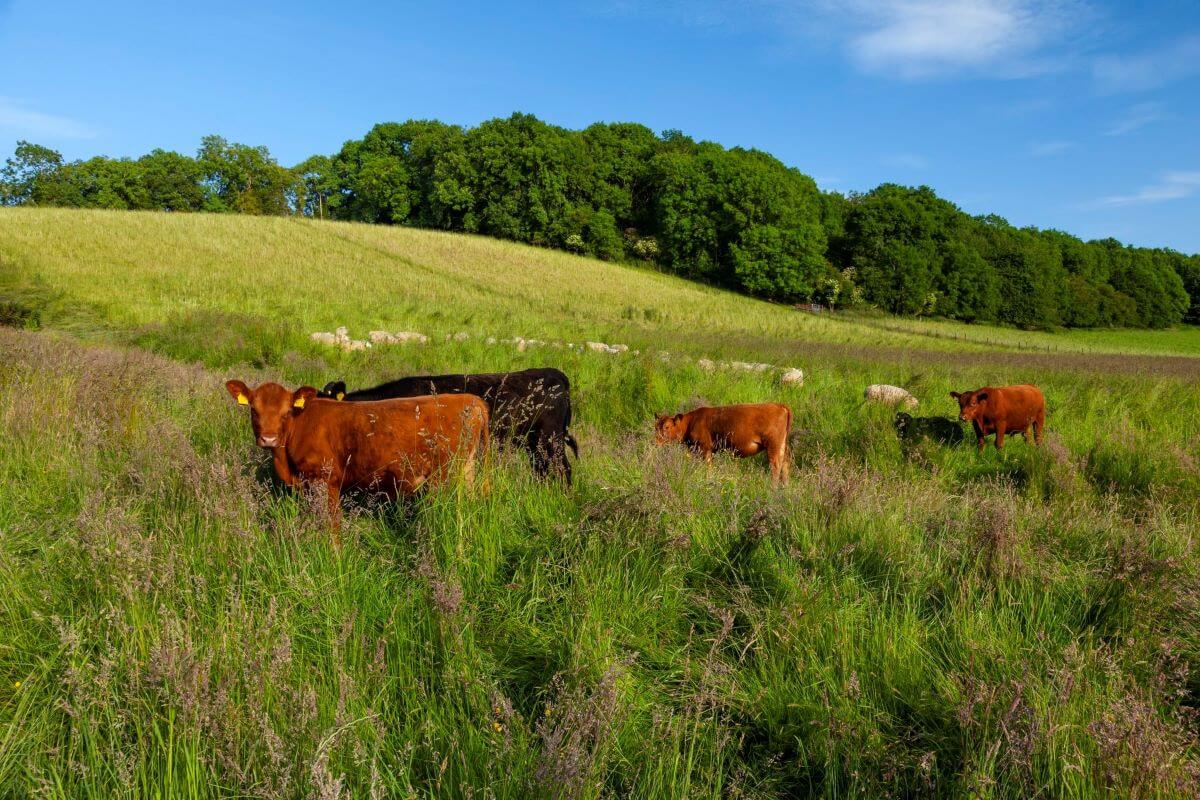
(732, 217)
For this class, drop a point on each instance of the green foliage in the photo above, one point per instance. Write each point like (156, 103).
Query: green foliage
(1189, 272)
(25, 172)
(241, 178)
(735, 218)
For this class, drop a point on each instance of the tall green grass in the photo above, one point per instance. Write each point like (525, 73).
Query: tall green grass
(900, 621)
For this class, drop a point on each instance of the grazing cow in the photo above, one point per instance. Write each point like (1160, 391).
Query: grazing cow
(531, 408)
(391, 446)
(743, 429)
(1002, 410)
(938, 429)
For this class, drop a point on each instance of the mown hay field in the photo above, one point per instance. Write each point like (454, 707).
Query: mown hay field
(899, 621)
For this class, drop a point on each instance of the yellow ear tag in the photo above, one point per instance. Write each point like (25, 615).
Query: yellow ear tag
(243, 400)
(299, 402)
(340, 395)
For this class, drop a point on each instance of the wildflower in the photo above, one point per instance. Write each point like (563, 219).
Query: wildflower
(16, 685)
(496, 726)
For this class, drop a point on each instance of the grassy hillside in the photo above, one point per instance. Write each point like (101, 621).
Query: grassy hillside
(898, 621)
(137, 268)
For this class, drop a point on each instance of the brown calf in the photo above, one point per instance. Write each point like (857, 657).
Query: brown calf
(1002, 410)
(390, 446)
(746, 430)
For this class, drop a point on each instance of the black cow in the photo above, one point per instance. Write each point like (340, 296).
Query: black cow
(531, 408)
(939, 429)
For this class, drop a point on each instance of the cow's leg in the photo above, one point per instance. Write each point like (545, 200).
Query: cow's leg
(538, 458)
(562, 464)
(553, 446)
(999, 435)
(468, 467)
(777, 454)
(1039, 422)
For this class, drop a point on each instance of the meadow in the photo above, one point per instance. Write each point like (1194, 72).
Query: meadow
(899, 621)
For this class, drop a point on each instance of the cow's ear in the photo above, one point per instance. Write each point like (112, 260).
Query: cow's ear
(955, 395)
(335, 389)
(302, 396)
(979, 398)
(239, 391)
(679, 417)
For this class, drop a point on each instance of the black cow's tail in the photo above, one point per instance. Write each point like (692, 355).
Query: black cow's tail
(567, 437)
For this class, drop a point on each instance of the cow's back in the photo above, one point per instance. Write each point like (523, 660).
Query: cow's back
(733, 419)
(1017, 402)
(513, 398)
(412, 438)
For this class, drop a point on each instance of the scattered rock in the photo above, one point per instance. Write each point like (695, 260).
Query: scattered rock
(746, 366)
(792, 377)
(400, 337)
(706, 364)
(601, 347)
(339, 338)
(889, 395)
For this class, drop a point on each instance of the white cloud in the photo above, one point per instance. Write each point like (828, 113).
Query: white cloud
(897, 38)
(1137, 117)
(929, 36)
(919, 38)
(1042, 149)
(1172, 186)
(17, 119)
(1177, 60)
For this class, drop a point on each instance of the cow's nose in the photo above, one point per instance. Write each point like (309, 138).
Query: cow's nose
(268, 441)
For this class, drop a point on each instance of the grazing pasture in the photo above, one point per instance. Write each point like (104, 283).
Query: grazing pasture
(902, 619)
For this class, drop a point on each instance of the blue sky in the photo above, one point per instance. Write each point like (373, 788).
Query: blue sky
(1074, 114)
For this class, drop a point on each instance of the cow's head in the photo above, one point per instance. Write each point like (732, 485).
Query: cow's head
(272, 408)
(971, 404)
(668, 428)
(903, 420)
(335, 390)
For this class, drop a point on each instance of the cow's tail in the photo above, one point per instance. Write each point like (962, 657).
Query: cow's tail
(568, 439)
(787, 436)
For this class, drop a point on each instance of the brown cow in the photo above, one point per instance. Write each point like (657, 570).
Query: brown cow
(391, 446)
(746, 430)
(1001, 410)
